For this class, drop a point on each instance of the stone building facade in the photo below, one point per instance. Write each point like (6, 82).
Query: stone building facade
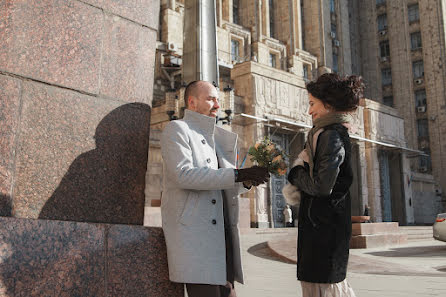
(400, 54)
(267, 51)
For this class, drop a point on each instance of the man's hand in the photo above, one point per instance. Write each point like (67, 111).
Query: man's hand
(256, 175)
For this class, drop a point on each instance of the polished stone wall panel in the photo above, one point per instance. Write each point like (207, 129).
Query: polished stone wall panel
(128, 61)
(56, 258)
(80, 158)
(145, 12)
(58, 42)
(9, 119)
(137, 262)
(51, 258)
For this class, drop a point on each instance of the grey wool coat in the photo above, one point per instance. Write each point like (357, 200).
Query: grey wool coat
(199, 160)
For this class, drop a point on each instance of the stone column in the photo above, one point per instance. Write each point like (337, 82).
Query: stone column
(76, 83)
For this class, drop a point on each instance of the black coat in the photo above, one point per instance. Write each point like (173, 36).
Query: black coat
(325, 227)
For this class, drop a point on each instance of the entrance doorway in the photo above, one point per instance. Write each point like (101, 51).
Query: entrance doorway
(277, 183)
(393, 206)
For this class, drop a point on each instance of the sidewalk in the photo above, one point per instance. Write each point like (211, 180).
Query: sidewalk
(416, 269)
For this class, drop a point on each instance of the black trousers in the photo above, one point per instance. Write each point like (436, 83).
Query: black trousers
(203, 290)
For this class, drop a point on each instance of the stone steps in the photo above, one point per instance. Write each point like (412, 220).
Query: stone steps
(370, 235)
(417, 233)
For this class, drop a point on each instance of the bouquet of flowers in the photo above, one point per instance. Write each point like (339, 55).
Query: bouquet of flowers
(268, 154)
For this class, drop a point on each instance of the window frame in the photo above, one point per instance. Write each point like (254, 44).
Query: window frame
(386, 45)
(387, 82)
(420, 101)
(417, 37)
(272, 60)
(237, 42)
(418, 66)
(382, 20)
(410, 12)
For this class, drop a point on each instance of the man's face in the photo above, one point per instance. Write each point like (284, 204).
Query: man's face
(206, 101)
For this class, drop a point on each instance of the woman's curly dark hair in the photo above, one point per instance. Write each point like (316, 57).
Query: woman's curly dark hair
(341, 93)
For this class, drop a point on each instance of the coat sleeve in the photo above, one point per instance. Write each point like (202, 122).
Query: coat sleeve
(330, 154)
(179, 165)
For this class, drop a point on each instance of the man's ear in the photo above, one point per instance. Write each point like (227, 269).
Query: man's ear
(191, 103)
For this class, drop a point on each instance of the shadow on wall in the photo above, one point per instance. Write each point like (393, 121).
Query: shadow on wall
(106, 185)
(5, 205)
(55, 258)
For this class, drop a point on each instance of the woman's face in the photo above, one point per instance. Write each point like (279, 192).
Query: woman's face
(317, 108)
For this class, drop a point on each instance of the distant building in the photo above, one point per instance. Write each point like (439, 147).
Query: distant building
(269, 49)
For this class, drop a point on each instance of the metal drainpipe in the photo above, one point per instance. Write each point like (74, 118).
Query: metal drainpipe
(200, 53)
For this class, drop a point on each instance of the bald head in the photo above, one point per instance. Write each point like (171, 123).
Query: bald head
(202, 97)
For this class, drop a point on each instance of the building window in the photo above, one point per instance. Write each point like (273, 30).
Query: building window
(332, 6)
(386, 76)
(388, 100)
(418, 69)
(415, 40)
(271, 19)
(420, 98)
(425, 162)
(382, 22)
(414, 13)
(333, 29)
(380, 2)
(384, 49)
(235, 50)
(423, 129)
(273, 60)
(335, 62)
(235, 10)
(305, 72)
(302, 23)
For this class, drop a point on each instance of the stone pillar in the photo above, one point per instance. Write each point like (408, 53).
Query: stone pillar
(76, 83)
(373, 182)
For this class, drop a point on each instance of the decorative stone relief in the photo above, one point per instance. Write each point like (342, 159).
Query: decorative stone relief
(281, 99)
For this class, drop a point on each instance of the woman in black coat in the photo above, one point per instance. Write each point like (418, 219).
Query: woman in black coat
(322, 175)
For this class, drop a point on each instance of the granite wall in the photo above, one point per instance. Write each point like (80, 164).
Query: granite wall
(76, 84)
(59, 258)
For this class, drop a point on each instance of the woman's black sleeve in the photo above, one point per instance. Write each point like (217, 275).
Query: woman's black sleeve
(330, 154)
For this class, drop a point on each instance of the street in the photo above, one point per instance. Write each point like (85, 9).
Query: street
(416, 269)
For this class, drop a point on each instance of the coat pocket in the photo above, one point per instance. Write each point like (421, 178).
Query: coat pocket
(189, 210)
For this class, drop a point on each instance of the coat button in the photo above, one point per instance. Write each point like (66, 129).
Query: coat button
(203, 141)
(208, 160)
(214, 201)
(214, 222)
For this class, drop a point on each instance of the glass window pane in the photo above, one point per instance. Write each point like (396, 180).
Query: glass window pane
(388, 100)
(272, 60)
(415, 40)
(235, 7)
(271, 19)
(384, 48)
(235, 47)
(333, 28)
(413, 13)
(423, 129)
(386, 77)
(418, 69)
(382, 22)
(332, 6)
(420, 98)
(335, 62)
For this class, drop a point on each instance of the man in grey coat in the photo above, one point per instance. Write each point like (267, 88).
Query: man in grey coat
(199, 204)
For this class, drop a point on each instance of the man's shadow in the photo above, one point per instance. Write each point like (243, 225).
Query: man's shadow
(106, 185)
